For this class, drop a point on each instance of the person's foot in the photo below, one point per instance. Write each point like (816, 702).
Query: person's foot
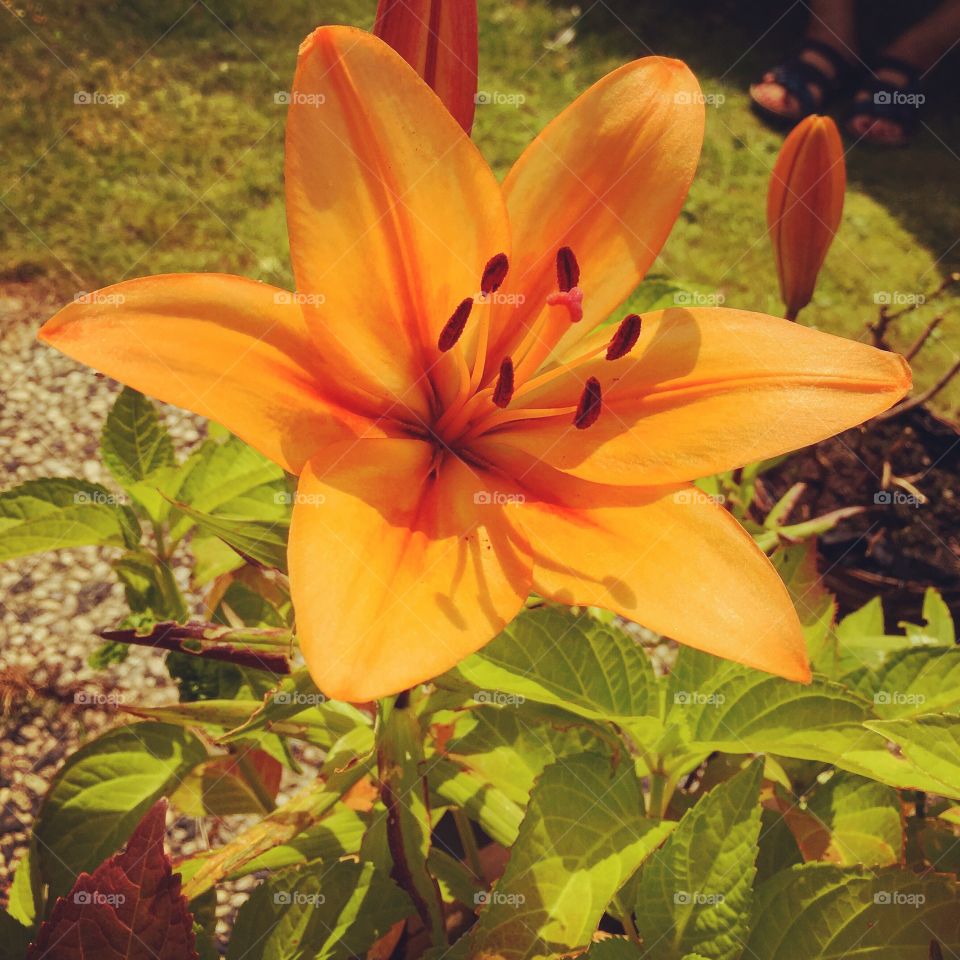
(884, 112)
(801, 86)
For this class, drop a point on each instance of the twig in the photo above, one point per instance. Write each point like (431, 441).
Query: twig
(917, 344)
(921, 398)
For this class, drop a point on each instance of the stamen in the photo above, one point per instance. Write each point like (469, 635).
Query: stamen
(494, 273)
(625, 339)
(453, 328)
(588, 409)
(503, 392)
(568, 270)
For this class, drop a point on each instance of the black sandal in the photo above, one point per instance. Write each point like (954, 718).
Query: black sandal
(797, 74)
(886, 100)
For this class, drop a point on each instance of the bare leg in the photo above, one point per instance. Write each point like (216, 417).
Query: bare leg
(831, 22)
(923, 46)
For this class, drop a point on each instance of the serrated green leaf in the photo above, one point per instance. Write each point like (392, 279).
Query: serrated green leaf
(321, 911)
(233, 479)
(509, 748)
(582, 836)
(854, 821)
(823, 912)
(25, 896)
(135, 444)
(931, 744)
(862, 640)
(555, 657)
(696, 893)
(52, 514)
(913, 682)
(102, 792)
(938, 627)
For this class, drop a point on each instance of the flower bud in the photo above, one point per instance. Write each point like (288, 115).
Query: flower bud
(804, 205)
(438, 38)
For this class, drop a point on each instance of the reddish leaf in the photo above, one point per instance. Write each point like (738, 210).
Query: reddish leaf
(129, 908)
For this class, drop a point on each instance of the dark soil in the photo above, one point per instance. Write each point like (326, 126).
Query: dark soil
(908, 536)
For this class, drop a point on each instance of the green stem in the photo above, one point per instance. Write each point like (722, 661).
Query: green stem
(468, 841)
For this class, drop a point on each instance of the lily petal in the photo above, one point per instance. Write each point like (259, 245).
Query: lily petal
(439, 40)
(392, 212)
(233, 350)
(709, 389)
(665, 557)
(606, 178)
(396, 573)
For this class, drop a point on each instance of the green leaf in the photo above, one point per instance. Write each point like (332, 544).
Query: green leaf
(103, 790)
(797, 565)
(614, 948)
(150, 586)
(53, 514)
(329, 910)
(583, 835)
(552, 656)
(930, 744)
(938, 625)
(696, 893)
(913, 682)
(509, 748)
(820, 911)
(862, 640)
(263, 541)
(25, 896)
(855, 821)
(135, 443)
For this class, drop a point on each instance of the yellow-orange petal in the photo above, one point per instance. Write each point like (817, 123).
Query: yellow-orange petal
(397, 574)
(606, 178)
(708, 389)
(227, 348)
(665, 557)
(391, 210)
(438, 38)
(804, 206)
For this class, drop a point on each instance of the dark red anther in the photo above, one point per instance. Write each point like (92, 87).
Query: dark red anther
(588, 409)
(625, 339)
(494, 273)
(503, 391)
(453, 328)
(568, 270)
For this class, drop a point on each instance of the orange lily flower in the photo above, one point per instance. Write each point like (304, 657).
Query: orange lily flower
(804, 206)
(463, 432)
(438, 38)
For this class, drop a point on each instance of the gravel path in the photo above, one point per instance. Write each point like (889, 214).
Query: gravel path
(51, 605)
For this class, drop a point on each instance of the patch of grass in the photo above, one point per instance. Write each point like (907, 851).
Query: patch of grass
(186, 173)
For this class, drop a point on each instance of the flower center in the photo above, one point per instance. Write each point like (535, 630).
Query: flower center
(475, 409)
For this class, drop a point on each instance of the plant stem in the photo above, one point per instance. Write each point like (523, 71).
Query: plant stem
(468, 841)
